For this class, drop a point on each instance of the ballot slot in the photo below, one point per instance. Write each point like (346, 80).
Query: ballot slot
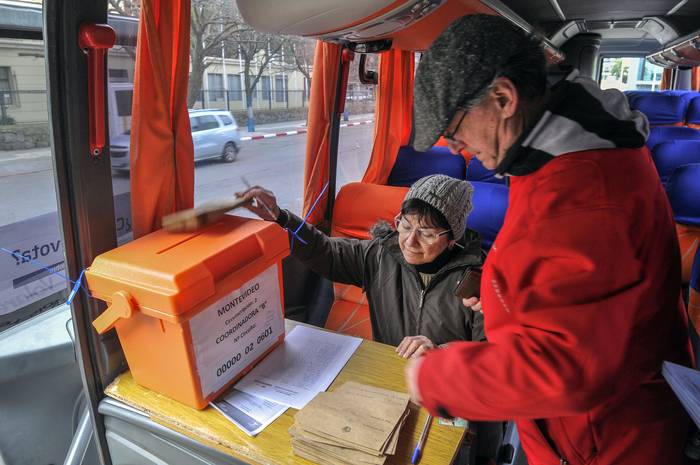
(202, 311)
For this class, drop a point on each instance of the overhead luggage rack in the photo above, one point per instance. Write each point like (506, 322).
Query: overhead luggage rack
(684, 53)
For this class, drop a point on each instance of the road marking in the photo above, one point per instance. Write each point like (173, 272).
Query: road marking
(300, 131)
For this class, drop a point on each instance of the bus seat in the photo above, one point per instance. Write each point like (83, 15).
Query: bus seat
(633, 95)
(412, 165)
(692, 114)
(477, 172)
(665, 133)
(694, 294)
(661, 108)
(490, 202)
(358, 206)
(683, 192)
(670, 155)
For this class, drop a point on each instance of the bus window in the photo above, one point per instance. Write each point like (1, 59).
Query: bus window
(629, 73)
(121, 60)
(356, 125)
(29, 226)
(266, 145)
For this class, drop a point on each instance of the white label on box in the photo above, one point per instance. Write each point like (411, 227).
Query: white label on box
(231, 333)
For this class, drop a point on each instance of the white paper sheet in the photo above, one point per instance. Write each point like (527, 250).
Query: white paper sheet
(304, 365)
(685, 382)
(250, 413)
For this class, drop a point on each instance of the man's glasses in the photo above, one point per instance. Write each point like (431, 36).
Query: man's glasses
(450, 136)
(424, 236)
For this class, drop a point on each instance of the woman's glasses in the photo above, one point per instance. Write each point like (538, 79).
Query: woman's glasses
(423, 235)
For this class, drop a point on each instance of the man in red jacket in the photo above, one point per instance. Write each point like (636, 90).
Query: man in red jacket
(581, 289)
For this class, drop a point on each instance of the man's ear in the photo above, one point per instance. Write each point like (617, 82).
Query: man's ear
(506, 96)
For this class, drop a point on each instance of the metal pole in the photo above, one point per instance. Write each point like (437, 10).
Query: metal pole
(333, 143)
(223, 68)
(81, 440)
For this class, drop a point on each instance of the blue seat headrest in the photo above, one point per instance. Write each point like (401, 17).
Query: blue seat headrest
(477, 172)
(412, 165)
(490, 202)
(670, 155)
(683, 190)
(661, 108)
(669, 133)
(633, 95)
(692, 114)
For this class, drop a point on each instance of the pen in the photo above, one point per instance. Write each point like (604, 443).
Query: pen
(247, 185)
(415, 458)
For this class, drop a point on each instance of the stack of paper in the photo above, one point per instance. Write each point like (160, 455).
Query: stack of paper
(354, 425)
(685, 382)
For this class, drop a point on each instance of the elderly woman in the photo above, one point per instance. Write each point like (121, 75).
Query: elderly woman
(581, 291)
(408, 275)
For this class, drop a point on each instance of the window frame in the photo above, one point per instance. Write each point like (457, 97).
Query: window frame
(9, 95)
(645, 63)
(266, 91)
(215, 93)
(235, 94)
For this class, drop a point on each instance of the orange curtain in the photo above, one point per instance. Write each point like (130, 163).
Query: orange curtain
(666, 79)
(394, 113)
(695, 78)
(324, 82)
(162, 155)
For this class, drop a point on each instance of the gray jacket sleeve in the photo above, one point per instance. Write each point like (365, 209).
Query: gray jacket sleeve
(335, 258)
(475, 321)
(477, 325)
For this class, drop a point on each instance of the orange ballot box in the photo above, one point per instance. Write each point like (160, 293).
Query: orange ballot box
(194, 311)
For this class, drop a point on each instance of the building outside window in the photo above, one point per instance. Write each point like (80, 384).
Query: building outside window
(266, 87)
(280, 88)
(118, 75)
(234, 87)
(8, 97)
(215, 86)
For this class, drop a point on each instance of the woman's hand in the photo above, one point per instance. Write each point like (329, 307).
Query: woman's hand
(262, 202)
(474, 303)
(414, 346)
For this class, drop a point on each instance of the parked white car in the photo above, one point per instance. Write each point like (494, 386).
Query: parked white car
(215, 134)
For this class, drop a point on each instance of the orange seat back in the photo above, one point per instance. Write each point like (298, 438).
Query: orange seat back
(358, 206)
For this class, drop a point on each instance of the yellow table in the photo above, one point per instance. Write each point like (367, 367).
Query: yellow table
(373, 363)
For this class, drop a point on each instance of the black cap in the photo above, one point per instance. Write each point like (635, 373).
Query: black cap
(462, 62)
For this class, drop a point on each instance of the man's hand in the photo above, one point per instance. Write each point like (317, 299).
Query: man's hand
(262, 202)
(412, 370)
(474, 303)
(414, 346)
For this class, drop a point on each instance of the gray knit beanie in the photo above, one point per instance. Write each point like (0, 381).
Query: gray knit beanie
(450, 196)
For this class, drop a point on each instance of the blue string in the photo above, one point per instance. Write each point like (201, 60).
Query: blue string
(76, 284)
(295, 233)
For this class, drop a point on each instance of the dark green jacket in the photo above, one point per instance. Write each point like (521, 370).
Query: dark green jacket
(399, 306)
